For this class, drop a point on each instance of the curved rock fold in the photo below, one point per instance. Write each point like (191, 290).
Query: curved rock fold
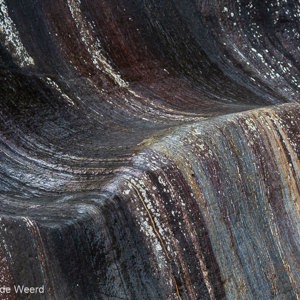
(149, 149)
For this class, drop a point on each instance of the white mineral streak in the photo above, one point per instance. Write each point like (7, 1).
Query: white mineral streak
(4, 244)
(53, 84)
(28, 222)
(164, 112)
(147, 228)
(93, 44)
(11, 38)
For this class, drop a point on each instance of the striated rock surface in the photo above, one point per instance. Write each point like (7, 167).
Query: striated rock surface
(149, 149)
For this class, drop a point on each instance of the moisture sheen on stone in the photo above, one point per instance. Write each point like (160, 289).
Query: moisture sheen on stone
(149, 149)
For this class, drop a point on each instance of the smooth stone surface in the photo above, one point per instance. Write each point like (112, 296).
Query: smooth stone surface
(149, 149)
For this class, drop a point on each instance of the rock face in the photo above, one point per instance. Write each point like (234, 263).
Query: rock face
(149, 149)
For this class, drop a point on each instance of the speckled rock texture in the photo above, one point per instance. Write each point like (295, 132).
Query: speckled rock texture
(149, 149)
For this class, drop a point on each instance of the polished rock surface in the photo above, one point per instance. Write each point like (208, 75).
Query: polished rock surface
(150, 149)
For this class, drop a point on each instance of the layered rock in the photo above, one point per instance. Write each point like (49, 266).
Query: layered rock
(149, 149)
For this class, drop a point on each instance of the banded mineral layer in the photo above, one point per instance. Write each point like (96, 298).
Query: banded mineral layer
(149, 149)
